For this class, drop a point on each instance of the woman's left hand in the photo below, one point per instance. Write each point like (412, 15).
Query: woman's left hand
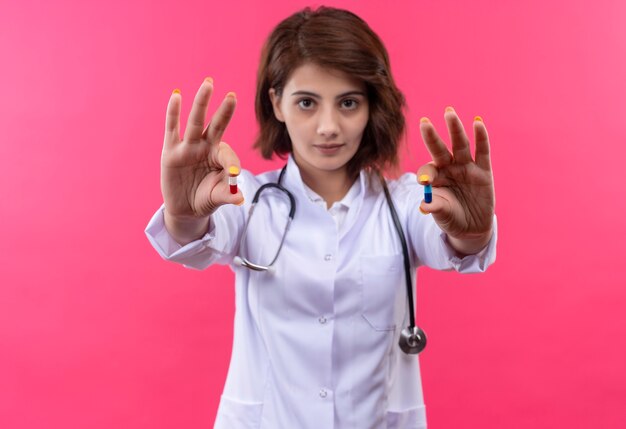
(463, 196)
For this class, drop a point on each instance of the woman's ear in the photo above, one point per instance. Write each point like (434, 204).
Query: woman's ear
(276, 105)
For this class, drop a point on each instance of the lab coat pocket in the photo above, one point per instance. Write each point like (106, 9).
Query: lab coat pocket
(380, 277)
(235, 414)
(414, 418)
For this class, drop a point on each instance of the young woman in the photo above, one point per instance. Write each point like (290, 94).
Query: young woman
(321, 301)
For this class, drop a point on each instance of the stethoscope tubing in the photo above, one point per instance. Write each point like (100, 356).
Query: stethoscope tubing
(412, 338)
(405, 252)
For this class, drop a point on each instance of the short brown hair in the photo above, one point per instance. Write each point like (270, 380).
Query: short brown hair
(336, 39)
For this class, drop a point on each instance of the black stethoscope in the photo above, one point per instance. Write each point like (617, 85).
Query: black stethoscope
(412, 338)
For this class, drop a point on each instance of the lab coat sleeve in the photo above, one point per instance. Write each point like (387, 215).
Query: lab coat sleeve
(441, 255)
(218, 246)
(428, 243)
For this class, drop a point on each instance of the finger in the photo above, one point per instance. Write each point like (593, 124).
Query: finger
(483, 159)
(226, 157)
(236, 199)
(221, 195)
(197, 116)
(221, 118)
(226, 197)
(427, 174)
(215, 195)
(172, 119)
(439, 207)
(436, 147)
(460, 143)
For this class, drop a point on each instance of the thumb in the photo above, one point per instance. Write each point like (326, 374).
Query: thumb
(441, 210)
(227, 191)
(439, 207)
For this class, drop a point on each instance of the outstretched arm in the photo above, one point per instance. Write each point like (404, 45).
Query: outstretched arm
(194, 170)
(463, 200)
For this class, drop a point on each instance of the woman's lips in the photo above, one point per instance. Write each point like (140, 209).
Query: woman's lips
(328, 149)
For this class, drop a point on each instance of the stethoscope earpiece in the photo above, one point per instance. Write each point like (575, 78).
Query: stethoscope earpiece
(412, 340)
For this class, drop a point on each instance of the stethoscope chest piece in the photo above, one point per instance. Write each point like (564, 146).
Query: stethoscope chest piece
(412, 340)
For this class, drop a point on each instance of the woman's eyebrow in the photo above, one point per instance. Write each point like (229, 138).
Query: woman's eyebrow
(314, 95)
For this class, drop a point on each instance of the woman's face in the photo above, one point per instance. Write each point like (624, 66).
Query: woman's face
(325, 112)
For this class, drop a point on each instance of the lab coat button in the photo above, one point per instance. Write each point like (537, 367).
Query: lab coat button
(328, 257)
(323, 393)
(322, 320)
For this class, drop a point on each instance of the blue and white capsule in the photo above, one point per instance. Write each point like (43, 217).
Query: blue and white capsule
(428, 189)
(428, 193)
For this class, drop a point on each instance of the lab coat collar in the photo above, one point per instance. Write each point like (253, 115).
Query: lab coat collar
(346, 201)
(293, 180)
(353, 199)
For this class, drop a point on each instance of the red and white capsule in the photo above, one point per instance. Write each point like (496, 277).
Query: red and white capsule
(233, 172)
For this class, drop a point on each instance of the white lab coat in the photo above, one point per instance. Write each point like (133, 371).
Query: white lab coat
(316, 342)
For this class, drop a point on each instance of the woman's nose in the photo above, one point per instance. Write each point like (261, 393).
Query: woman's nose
(328, 122)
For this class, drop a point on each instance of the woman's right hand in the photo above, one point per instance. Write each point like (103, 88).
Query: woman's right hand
(194, 170)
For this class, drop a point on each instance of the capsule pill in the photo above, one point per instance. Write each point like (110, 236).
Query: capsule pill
(233, 172)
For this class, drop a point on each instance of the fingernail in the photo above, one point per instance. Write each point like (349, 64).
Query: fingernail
(424, 178)
(209, 79)
(233, 170)
(176, 91)
(423, 211)
(478, 118)
(231, 94)
(424, 120)
(449, 109)
(241, 203)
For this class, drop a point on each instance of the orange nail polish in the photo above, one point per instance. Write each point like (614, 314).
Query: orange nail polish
(424, 178)
(209, 79)
(425, 120)
(176, 91)
(423, 211)
(478, 118)
(449, 109)
(231, 94)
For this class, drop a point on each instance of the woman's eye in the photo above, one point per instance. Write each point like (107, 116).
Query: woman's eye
(350, 104)
(305, 103)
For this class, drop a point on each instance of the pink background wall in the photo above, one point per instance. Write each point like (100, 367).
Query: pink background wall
(96, 331)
